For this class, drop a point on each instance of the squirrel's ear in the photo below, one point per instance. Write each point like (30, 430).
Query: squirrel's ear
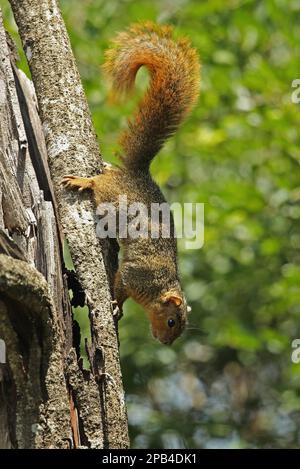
(172, 297)
(188, 309)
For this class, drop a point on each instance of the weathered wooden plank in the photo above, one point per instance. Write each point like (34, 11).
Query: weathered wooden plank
(34, 399)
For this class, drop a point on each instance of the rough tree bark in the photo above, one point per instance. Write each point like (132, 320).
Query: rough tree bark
(46, 398)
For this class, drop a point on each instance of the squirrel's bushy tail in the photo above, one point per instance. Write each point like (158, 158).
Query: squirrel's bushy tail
(173, 90)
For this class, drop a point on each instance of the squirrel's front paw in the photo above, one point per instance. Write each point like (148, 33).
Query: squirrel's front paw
(74, 182)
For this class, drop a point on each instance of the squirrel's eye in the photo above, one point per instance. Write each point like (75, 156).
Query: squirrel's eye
(171, 322)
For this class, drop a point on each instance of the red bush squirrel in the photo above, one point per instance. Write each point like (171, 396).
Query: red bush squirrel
(148, 272)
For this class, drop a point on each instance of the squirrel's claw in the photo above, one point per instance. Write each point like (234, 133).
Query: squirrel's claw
(117, 312)
(75, 182)
(67, 181)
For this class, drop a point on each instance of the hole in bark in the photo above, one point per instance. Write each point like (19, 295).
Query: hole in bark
(82, 331)
(80, 311)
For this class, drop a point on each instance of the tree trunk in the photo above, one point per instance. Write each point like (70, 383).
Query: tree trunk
(46, 398)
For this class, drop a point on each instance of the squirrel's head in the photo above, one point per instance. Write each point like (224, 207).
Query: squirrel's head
(169, 316)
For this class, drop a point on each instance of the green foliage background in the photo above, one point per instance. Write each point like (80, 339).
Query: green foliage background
(230, 381)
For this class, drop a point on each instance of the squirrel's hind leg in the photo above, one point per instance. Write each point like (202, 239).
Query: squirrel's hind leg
(120, 293)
